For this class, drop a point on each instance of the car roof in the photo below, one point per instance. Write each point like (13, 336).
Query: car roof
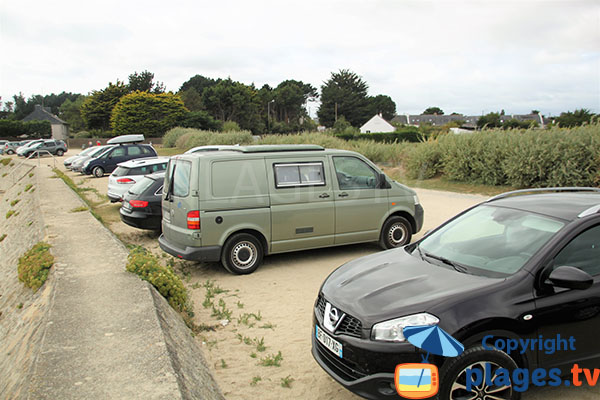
(567, 205)
(138, 162)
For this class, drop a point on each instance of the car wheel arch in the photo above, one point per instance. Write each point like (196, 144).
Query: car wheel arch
(257, 234)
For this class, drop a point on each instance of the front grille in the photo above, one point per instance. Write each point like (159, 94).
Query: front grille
(345, 369)
(350, 325)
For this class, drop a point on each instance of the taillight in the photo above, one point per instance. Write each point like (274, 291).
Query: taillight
(125, 180)
(193, 219)
(138, 203)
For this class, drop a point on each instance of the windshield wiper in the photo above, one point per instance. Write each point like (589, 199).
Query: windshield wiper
(458, 267)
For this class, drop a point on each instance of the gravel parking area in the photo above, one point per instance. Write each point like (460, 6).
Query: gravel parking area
(256, 329)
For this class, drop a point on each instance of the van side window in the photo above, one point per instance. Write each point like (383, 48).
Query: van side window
(181, 178)
(299, 174)
(353, 173)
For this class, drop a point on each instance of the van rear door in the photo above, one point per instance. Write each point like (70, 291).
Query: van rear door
(181, 220)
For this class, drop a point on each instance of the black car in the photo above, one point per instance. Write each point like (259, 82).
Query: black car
(524, 265)
(107, 161)
(142, 203)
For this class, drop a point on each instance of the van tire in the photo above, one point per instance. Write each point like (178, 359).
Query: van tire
(396, 232)
(242, 254)
(98, 172)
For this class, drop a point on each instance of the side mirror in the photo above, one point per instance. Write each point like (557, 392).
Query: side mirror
(570, 278)
(382, 183)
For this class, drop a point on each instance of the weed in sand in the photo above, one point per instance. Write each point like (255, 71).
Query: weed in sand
(255, 380)
(287, 382)
(79, 209)
(272, 360)
(14, 202)
(2, 237)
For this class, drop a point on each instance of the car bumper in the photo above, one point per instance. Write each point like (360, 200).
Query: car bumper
(367, 367)
(114, 197)
(141, 220)
(419, 217)
(206, 254)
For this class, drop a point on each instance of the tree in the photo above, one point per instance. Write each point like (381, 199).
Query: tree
(97, 108)
(144, 82)
(200, 120)
(576, 118)
(491, 120)
(152, 114)
(191, 99)
(199, 83)
(384, 105)
(290, 98)
(233, 101)
(433, 111)
(70, 112)
(345, 93)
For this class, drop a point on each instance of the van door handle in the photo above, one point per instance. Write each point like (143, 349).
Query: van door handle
(323, 196)
(343, 194)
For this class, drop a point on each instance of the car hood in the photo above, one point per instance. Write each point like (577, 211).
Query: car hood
(395, 283)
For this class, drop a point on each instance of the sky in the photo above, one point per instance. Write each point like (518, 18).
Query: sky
(467, 56)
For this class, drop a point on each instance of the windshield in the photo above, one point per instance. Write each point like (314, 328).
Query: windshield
(141, 185)
(490, 241)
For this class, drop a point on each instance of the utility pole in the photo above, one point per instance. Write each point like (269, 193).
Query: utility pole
(336, 111)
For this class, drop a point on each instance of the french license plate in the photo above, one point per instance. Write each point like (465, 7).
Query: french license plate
(330, 343)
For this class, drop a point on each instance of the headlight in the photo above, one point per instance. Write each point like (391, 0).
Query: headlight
(416, 199)
(391, 331)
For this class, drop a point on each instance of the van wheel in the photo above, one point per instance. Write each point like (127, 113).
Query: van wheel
(477, 362)
(396, 232)
(98, 172)
(242, 254)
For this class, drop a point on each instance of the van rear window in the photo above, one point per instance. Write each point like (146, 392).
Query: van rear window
(181, 178)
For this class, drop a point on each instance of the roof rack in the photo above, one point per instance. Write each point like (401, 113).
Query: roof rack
(592, 210)
(268, 148)
(544, 190)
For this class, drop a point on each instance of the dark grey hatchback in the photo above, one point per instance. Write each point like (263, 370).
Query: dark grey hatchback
(522, 268)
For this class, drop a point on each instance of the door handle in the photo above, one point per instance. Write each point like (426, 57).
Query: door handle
(343, 194)
(323, 196)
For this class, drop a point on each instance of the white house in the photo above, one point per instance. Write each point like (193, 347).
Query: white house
(377, 124)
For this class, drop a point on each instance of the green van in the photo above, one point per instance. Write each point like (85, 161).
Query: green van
(239, 203)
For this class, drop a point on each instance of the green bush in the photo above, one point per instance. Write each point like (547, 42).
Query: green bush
(34, 265)
(230, 126)
(424, 161)
(11, 128)
(164, 279)
(193, 138)
(519, 158)
(170, 138)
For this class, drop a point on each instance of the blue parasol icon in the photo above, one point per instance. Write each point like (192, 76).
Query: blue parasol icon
(432, 339)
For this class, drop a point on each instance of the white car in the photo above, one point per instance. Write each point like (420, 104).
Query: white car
(129, 172)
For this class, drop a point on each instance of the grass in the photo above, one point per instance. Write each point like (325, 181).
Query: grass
(272, 360)
(287, 382)
(79, 209)
(34, 265)
(14, 202)
(3, 237)
(80, 192)
(10, 213)
(255, 380)
(5, 161)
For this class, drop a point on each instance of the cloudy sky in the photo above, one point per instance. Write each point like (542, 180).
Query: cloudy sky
(466, 56)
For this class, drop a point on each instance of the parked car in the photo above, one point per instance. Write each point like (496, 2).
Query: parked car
(129, 172)
(142, 203)
(77, 164)
(239, 204)
(54, 147)
(22, 149)
(11, 147)
(67, 162)
(522, 266)
(128, 147)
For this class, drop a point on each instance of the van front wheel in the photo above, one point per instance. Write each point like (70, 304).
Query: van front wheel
(396, 232)
(242, 254)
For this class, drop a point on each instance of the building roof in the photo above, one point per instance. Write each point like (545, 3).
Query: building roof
(377, 124)
(41, 113)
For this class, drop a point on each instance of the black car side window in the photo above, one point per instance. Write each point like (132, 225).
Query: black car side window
(582, 252)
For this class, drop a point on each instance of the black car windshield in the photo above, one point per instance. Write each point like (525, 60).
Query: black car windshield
(490, 241)
(141, 185)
